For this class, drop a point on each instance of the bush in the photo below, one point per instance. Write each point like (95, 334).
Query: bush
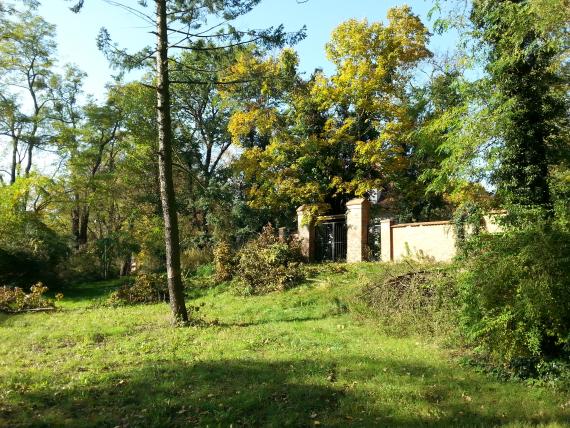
(516, 294)
(30, 251)
(14, 300)
(265, 264)
(224, 261)
(144, 288)
(416, 299)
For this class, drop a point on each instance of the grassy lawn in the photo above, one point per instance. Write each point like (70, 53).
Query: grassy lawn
(299, 358)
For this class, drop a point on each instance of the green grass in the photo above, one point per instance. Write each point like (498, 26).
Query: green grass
(298, 358)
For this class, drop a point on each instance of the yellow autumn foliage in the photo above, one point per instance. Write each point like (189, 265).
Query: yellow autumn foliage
(330, 136)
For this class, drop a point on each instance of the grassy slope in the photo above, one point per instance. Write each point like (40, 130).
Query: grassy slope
(294, 358)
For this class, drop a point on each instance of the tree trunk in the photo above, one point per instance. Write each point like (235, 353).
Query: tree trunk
(79, 222)
(29, 163)
(126, 266)
(167, 196)
(75, 225)
(83, 226)
(14, 161)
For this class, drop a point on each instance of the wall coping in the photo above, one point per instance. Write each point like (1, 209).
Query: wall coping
(358, 201)
(423, 223)
(331, 217)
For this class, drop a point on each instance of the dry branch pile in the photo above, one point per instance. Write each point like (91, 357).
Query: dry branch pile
(406, 302)
(14, 300)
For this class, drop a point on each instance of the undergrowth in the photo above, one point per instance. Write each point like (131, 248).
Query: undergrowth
(515, 291)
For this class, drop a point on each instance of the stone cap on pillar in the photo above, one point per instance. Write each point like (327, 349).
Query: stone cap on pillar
(357, 202)
(302, 208)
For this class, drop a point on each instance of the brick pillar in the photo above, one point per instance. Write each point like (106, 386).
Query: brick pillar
(306, 233)
(386, 245)
(357, 230)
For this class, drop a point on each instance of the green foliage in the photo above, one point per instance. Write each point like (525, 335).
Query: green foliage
(266, 264)
(467, 220)
(560, 189)
(81, 266)
(96, 260)
(14, 299)
(516, 293)
(527, 52)
(510, 127)
(459, 137)
(30, 250)
(144, 288)
(192, 258)
(411, 300)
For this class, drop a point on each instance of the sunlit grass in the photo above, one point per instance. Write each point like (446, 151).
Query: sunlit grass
(299, 358)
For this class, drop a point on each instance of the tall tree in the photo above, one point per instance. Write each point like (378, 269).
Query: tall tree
(331, 138)
(167, 196)
(188, 21)
(526, 44)
(26, 69)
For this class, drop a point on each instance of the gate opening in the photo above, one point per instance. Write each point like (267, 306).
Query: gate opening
(330, 234)
(374, 245)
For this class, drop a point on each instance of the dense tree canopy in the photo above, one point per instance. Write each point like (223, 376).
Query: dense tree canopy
(324, 140)
(252, 137)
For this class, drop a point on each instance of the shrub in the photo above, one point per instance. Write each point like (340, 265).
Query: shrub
(412, 299)
(144, 288)
(266, 264)
(29, 251)
(224, 261)
(14, 300)
(516, 294)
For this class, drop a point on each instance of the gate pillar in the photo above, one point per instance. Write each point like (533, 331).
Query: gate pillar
(306, 232)
(357, 229)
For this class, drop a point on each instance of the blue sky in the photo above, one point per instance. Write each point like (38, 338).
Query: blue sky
(76, 33)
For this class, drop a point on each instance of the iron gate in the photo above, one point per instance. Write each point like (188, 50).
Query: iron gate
(331, 240)
(374, 239)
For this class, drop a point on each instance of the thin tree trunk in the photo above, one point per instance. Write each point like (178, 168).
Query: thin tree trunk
(29, 163)
(83, 226)
(14, 161)
(75, 225)
(167, 196)
(126, 266)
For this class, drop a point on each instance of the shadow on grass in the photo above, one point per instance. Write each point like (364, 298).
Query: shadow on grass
(94, 292)
(249, 393)
(268, 321)
(4, 317)
(91, 291)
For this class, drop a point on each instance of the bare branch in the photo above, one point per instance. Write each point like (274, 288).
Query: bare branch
(132, 10)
